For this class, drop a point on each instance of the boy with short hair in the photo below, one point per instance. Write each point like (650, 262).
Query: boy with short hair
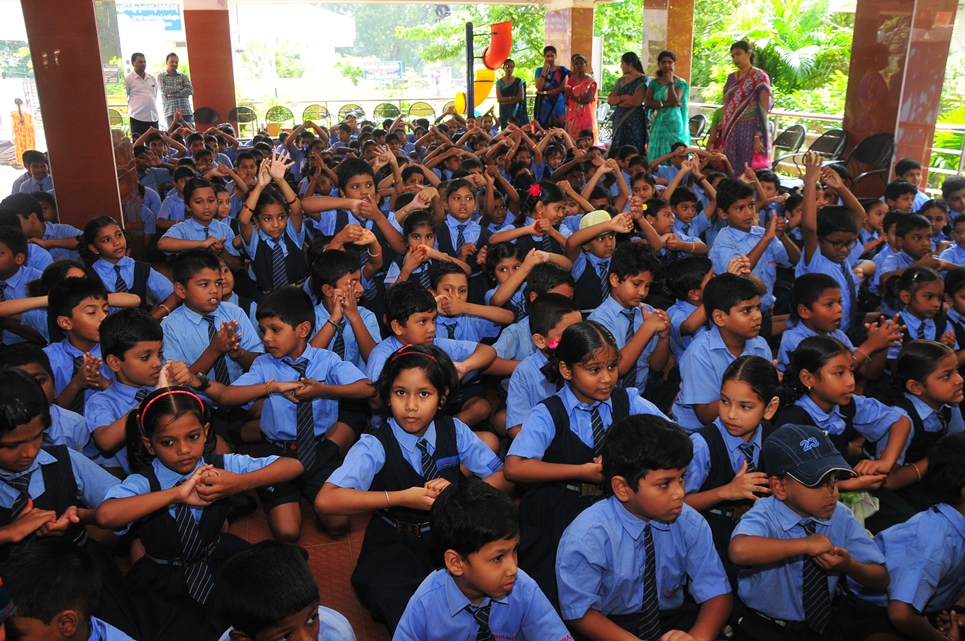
(956, 253)
(515, 342)
(624, 561)
(30, 156)
(60, 240)
(14, 276)
(37, 257)
(131, 340)
(642, 333)
(900, 194)
(953, 193)
(794, 546)
(475, 531)
(458, 318)
(172, 209)
(268, 593)
(591, 248)
(686, 279)
(733, 308)
(40, 178)
(200, 230)
(909, 170)
(913, 232)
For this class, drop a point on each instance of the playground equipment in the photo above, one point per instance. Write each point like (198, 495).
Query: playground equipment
(493, 56)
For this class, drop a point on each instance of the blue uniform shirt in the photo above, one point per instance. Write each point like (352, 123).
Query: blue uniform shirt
(103, 408)
(186, 335)
(777, 589)
(527, 387)
(680, 312)
(515, 342)
(470, 232)
(158, 287)
(16, 287)
(278, 415)
(954, 254)
(70, 429)
(367, 457)
(601, 558)
(891, 263)
(841, 272)
(103, 631)
(610, 314)
(702, 370)
(173, 207)
(538, 430)
(796, 333)
(437, 612)
(191, 229)
(62, 356)
(879, 260)
(93, 483)
(155, 178)
(915, 326)
(465, 327)
(352, 354)
(873, 419)
(458, 351)
(731, 243)
(699, 468)
(585, 260)
(929, 420)
(31, 184)
(332, 626)
(60, 231)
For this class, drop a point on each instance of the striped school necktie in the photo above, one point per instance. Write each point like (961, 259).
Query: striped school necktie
(279, 271)
(748, 451)
(630, 378)
(338, 347)
(604, 269)
(197, 572)
(429, 469)
(22, 485)
(77, 405)
(596, 424)
(481, 615)
(119, 285)
(649, 628)
(304, 425)
(817, 599)
(220, 365)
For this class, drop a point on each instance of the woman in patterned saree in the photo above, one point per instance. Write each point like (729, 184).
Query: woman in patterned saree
(630, 116)
(747, 99)
(580, 100)
(550, 108)
(667, 99)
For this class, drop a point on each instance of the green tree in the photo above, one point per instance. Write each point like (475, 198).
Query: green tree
(15, 59)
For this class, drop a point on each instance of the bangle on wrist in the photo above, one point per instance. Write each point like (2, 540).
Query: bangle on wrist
(268, 387)
(332, 323)
(388, 503)
(245, 206)
(291, 202)
(917, 471)
(165, 308)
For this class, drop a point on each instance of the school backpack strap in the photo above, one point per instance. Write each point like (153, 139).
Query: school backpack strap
(142, 271)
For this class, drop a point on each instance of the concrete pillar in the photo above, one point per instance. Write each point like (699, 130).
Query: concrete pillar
(208, 33)
(668, 24)
(569, 28)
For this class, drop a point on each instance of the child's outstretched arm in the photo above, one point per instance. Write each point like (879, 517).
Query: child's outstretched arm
(454, 307)
(571, 194)
(809, 209)
(332, 499)
(217, 484)
(906, 618)
(114, 514)
(248, 209)
(530, 470)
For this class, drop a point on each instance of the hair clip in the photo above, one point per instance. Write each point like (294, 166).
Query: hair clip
(534, 190)
(643, 207)
(168, 392)
(553, 343)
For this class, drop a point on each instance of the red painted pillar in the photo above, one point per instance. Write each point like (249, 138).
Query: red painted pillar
(208, 32)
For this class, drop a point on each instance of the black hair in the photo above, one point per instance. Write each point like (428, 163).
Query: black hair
(264, 584)
(292, 305)
(20, 354)
(891, 219)
(759, 374)
(50, 576)
(547, 311)
(952, 184)
(406, 298)
(500, 252)
(946, 474)
(724, 291)
(170, 402)
(916, 361)
(743, 46)
(644, 176)
(14, 238)
(793, 201)
(186, 163)
(914, 277)
(954, 280)
(768, 176)
(633, 60)
(434, 362)
(898, 188)
(66, 296)
(546, 276)
(549, 48)
(841, 170)
(642, 443)
(467, 516)
(22, 205)
(682, 194)
(350, 168)
(193, 185)
(686, 275)
(666, 54)
(271, 196)
(577, 346)
(417, 220)
(125, 328)
(184, 173)
(22, 401)
(807, 289)
(410, 170)
(548, 193)
(441, 269)
(654, 206)
(54, 274)
(811, 354)
(905, 165)
(455, 185)
(329, 267)
(190, 262)
(934, 204)
(630, 259)
(729, 191)
(136, 55)
(201, 153)
(833, 218)
(244, 155)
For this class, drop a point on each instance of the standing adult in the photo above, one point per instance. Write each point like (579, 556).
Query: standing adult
(511, 96)
(141, 97)
(630, 116)
(747, 99)
(667, 98)
(580, 99)
(550, 108)
(176, 91)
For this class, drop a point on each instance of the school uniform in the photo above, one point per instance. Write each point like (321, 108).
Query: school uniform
(65, 361)
(679, 312)
(173, 207)
(158, 582)
(13, 288)
(155, 178)
(59, 231)
(464, 327)
(840, 272)
(451, 235)
(515, 342)
(191, 229)
(516, 303)
(731, 243)
(544, 243)
(931, 329)
(396, 551)
(247, 305)
(602, 564)
(70, 429)
(891, 262)
(698, 225)
(884, 252)
(954, 254)
(350, 347)
(439, 611)
(624, 324)
(528, 385)
(139, 278)
(332, 626)
(560, 430)
(776, 590)
(31, 184)
(456, 350)
(263, 250)
(592, 276)
(665, 171)
(702, 370)
(105, 407)
(794, 334)
(104, 631)
(420, 274)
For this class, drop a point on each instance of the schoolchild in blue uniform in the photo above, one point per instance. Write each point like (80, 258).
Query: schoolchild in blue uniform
(515, 341)
(955, 302)
(927, 387)
(558, 449)
(686, 279)
(460, 319)
(733, 308)
(58, 240)
(642, 333)
(625, 563)
(475, 528)
(655, 219)
(398, 470)
(508, 268)
(925, 557)
(50, 491)
(201, 230)
(419, 231)
(891, 247)
(461, 237)
(726, 474)
(591, 248)
(172, 209)
(57, 586)
(229, 295)
(77, 306)
(538, 225)
(914, 232)
(121, 273)
(131, 344)
(549, 317)
(956, 253)
(14, 274)
(921, 291)
(794, 546)
(176, 505)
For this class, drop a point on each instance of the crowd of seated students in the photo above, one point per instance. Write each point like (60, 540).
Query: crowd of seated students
(581, 396)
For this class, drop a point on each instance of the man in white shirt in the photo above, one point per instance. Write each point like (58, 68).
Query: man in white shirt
(141, 97)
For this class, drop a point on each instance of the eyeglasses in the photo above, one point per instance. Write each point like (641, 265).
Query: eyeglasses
(840, 244)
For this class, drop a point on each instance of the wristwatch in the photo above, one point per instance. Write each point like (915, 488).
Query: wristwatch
(205, 381)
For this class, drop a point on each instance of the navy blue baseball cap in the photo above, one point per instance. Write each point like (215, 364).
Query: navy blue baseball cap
(804, 452)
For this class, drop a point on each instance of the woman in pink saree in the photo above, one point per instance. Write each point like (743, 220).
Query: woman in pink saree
(580, 95)
(747, 100)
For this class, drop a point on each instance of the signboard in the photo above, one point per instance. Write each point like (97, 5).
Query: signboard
(169, 14)
(112, 74)
(383, 70)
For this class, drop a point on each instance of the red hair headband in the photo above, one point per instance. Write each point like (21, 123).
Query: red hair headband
(173, 390)
(402, 352)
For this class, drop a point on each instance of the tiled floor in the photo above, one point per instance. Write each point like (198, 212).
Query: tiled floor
(332, 562)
